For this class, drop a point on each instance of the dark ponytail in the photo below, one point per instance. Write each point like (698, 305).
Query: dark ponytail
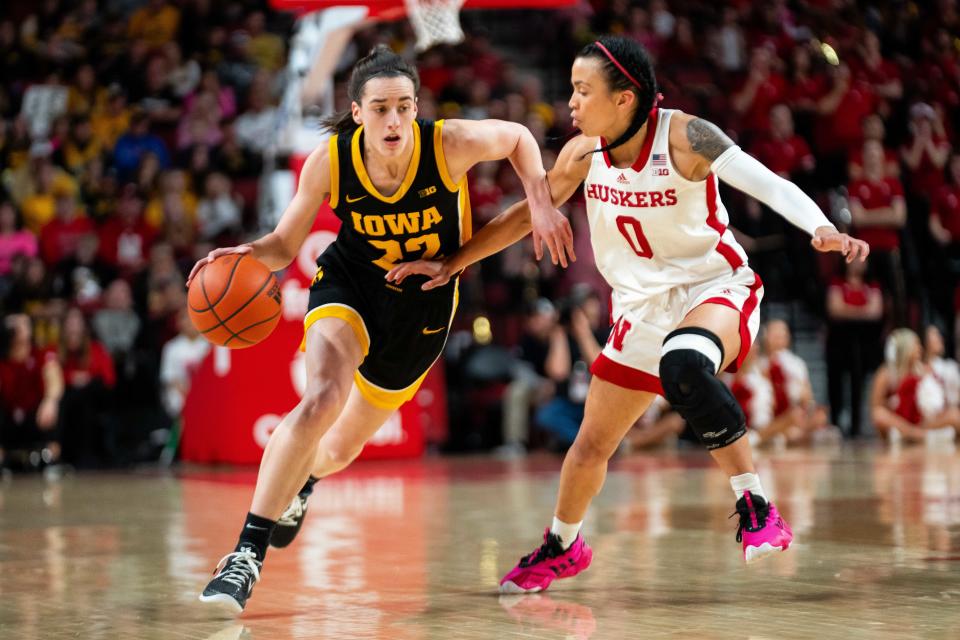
(381, 62)
(636, 76)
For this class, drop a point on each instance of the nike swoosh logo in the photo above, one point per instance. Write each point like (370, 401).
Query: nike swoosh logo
(253, 526)
(351, 200)
(428, 332)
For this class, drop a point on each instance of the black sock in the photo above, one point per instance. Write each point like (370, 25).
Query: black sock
(308, 486)
(256, 534)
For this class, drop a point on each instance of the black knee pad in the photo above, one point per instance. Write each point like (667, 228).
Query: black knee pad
(690, 386)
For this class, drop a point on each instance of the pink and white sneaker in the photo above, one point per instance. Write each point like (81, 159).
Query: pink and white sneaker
(762, 530)
(537, 570)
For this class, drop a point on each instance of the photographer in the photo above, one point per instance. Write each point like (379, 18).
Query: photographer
(531, 385)
(575, 342)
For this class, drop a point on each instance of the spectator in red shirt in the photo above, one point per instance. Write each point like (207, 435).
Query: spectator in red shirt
(89, 377)
(879, 212)
(873, 129)
(783, 151)
(803, 85)
(763, 88)
(845, 102)
(125, 239)
(59, 237)
(882, 75)
(854, 315)
(945, 209)
(31, 385)
(927, 152)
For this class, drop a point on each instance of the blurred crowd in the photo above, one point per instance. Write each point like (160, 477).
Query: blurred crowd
(131, 140)
(130, 144)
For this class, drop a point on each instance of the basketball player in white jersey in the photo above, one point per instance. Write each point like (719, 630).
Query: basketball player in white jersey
(685, 302)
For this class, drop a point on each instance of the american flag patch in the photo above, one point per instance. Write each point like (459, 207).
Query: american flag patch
(659, 160)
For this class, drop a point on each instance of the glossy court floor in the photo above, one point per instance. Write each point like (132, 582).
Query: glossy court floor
(413, 550)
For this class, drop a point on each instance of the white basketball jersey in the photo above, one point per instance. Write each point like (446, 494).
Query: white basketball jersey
(652, 229)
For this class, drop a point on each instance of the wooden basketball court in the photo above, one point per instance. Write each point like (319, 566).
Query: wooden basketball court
(414, 550)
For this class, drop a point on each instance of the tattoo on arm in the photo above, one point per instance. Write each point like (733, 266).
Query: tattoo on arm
(706, 139)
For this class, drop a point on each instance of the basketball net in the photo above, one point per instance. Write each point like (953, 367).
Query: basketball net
(435, 21)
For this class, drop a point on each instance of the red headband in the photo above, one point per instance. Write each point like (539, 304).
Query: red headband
(618, 65)
(623, 70)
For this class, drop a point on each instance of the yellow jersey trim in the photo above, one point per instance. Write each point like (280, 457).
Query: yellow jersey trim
(343, 312)
(466, 213)
(441, 158)
(387, 399)
(361, 171)
(390, 399)
(334, 157)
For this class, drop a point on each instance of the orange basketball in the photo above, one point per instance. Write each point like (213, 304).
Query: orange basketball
(234, 301)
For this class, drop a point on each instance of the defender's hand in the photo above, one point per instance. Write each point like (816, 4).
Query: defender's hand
(436, 270)
(553, 228)
(829, 239)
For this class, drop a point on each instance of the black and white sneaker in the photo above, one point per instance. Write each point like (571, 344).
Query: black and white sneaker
(233, 581)
(288, 526)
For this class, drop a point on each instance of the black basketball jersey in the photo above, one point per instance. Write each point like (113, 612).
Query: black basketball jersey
(427, 217)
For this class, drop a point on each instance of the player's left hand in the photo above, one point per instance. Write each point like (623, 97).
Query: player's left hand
(436, 270)
(829, 239)
(552, 227)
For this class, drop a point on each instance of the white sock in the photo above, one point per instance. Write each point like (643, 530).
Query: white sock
(747, 482)
(567, 532)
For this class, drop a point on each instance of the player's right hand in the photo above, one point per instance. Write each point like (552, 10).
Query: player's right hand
(213, 255)
(436, 270)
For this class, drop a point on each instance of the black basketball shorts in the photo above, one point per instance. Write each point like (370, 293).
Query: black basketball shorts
(401, 332)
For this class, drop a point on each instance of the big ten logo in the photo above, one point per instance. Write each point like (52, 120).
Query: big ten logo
(391, 433)
(429, 191)
(661, 171)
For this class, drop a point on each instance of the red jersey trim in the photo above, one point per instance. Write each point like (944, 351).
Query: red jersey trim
(641, 160)
(745, 339)
(606, 155)
(729, 253)
(624, 376)
(749, 306)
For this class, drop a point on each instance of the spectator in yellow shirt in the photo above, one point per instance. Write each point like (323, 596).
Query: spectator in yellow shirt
(80, 148)
(112, 122)
(264, 48)
(173, 185)
(156, 23)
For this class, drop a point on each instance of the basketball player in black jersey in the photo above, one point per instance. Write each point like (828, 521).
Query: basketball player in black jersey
(399, 187)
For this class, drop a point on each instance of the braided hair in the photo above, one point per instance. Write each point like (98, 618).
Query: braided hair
(626, 66)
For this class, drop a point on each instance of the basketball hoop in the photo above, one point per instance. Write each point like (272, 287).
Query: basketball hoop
(435, 21)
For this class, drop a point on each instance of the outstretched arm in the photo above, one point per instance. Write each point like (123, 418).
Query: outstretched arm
(702, 148)
(278, 248)
(508, 227)
(467, 142)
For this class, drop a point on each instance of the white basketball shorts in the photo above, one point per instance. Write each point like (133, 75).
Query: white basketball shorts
(631, 357)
